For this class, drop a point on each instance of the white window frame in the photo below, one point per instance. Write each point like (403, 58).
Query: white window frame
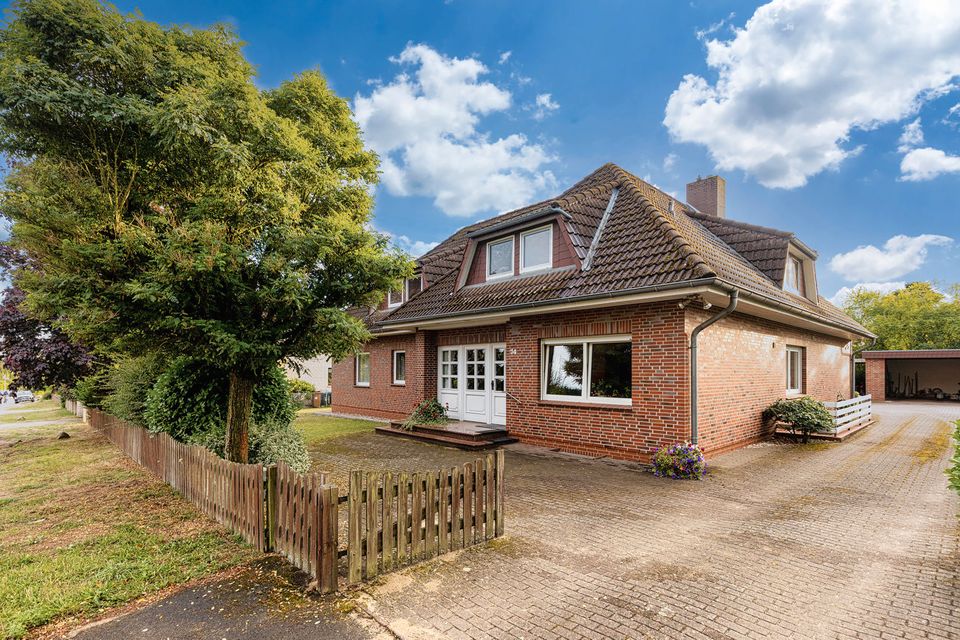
(397, 380)
(390, 303)
(356, 369)
(798, 276)
(506, 274)
(543, 265)
(799, 372)
(585, 396)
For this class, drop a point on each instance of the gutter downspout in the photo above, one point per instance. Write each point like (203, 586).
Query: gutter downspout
(734, 296)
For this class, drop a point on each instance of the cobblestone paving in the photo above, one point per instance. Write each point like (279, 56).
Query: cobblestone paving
(852, 540)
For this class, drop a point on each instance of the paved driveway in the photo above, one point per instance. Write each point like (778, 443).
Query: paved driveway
(858, 540)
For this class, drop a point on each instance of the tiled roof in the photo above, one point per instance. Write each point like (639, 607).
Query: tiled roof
(649, 239)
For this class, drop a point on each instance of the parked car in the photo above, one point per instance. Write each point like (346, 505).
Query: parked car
(23, 396)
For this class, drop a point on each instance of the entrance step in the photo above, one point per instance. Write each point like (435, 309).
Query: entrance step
(472, 436)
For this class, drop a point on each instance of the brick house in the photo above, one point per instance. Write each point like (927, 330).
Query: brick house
(571, 320)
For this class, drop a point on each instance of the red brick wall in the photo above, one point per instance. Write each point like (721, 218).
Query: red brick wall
(383, 399)
(658, 415)
(742, 370)
(876, 373)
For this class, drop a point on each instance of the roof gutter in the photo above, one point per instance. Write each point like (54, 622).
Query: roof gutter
(730, 308)
(686, 284)
(770, 302)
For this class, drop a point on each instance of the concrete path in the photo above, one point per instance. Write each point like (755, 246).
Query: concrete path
(262, 602)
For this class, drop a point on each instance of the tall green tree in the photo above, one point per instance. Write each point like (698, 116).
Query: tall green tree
(915, 317)
(167, 203)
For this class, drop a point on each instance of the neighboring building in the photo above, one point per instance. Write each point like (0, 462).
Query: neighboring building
(926, 374)
(569, 321)
(317, 371)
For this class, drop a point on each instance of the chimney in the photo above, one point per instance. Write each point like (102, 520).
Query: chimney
(709, 195)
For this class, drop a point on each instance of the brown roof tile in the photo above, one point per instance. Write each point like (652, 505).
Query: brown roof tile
(649, 239)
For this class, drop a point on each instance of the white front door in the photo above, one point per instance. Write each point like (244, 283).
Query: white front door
(472, 382)
(476, 391)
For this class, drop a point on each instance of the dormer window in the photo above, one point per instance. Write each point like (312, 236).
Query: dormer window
(793, 276)
(536, 249)
(500, 259)
(395, 297)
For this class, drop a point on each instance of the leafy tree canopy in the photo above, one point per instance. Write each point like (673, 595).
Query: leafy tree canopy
(915, 317)
(169, 204)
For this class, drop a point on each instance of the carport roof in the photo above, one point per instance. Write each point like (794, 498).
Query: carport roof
(907, 354)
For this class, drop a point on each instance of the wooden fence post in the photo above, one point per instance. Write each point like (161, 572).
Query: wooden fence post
(327, 562)
(499, 500)
(372, 552)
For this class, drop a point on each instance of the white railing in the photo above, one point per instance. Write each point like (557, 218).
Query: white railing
(848, 414)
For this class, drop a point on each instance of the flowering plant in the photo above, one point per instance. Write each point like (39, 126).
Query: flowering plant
(679, 461)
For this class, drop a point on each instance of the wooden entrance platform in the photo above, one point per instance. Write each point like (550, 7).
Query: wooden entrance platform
(472, 436)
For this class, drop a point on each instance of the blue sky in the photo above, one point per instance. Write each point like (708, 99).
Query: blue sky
(808, 108)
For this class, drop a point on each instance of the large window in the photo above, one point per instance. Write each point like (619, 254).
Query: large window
(794, 370)
(793, 276)
(500, 258)
(363, 369)
(587, 370)
(536, 249)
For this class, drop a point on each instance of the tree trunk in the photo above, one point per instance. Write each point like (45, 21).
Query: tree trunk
(239, 404)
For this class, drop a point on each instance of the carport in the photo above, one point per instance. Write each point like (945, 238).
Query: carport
(921, 374)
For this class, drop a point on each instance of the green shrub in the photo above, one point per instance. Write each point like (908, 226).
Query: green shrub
(300, 386)
(189, 402)
(953, 473)
(680, 462)
(92, 389)
(804, 415)
(128, 383)
(427, 412)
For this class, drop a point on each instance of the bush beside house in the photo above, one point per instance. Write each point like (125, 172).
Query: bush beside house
(804, 415)
(953, 473)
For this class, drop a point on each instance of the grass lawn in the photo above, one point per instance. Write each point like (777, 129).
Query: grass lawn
(318, 426)
(85, 529)
(30, 411)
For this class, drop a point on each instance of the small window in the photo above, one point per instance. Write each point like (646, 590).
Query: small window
(363, 369)
(500, 258)
(536, 249)
(399, 367)
(395, 297)
(794, 370)
(793, 278)
(593, 370)
(330, 376)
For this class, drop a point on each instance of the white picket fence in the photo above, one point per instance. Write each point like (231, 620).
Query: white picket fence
(849, 414)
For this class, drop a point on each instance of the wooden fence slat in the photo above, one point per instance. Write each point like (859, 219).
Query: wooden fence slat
(403, 528)
(354, 535)
(430, 516)
(416, 518)
(478, 493)
(444, 515)
(499, 500)
(468, 504)
(387, 522)
(373, 483)
(489, 499)
(456, 524)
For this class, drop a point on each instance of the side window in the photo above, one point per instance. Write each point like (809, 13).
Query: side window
(793, 276)
(363, 370)
(794, 370)
(399, 367)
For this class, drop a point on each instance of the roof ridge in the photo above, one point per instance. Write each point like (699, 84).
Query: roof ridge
(699, 215)
(694, 260)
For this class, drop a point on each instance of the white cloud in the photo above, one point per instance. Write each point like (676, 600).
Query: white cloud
(543, 106)
(504, 57)
(703, 33)
(425, 126)
(911, 137)
(926, 164)
(881, 287)
(415, 248)
(669, 161)
(899, 256)
(802, 74)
